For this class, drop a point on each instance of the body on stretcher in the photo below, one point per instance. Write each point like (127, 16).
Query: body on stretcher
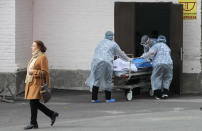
(133, 74)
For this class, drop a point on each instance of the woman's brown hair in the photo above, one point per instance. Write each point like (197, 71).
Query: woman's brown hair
(41, 45)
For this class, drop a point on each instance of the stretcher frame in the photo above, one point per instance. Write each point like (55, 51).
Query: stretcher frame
(125, 81)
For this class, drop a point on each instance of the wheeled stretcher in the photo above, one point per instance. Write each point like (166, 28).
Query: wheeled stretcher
(129, 80)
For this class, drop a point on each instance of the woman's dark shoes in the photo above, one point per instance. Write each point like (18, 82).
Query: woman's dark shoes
(31, 126)
(53, 118)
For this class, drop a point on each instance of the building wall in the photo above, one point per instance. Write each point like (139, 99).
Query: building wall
(71, 29)
(191, 43)
(15, 34)
(24, 32)
(7, 36)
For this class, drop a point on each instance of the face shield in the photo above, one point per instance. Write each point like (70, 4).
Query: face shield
(146, 43)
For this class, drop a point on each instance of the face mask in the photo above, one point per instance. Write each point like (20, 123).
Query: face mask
(147, 45)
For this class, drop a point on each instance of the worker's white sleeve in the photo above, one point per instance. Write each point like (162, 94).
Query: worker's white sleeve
(143, 55)
(149, 54)
(122, 55)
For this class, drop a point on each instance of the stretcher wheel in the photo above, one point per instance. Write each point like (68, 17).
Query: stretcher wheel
(129, 95)
(151, 93)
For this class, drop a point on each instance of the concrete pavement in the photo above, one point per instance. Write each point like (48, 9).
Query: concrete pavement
(78, 114)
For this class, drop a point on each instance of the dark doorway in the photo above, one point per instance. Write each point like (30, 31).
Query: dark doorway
(152, 19)
(134, 19)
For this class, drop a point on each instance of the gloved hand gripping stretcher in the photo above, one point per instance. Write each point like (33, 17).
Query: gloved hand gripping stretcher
(130, 75)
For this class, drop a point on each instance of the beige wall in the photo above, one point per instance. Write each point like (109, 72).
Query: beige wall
(72, 28)
(7, 36)
(24, 32)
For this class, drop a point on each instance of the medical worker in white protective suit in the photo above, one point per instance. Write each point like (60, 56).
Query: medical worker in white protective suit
(102, 67)
(162, 63)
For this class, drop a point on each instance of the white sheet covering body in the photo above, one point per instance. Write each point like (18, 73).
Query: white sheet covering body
(121, 65)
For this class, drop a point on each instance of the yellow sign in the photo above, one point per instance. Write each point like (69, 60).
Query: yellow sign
(189, 8)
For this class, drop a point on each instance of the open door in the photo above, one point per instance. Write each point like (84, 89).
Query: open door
(176, 45)
(134, 19)
(125, 26)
